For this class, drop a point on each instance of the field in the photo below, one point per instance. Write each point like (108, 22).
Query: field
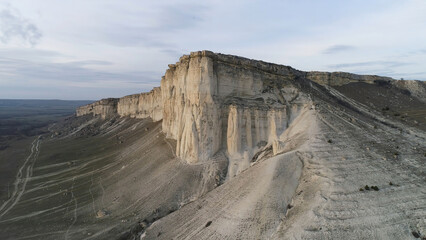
(26, 118)
(21, 121)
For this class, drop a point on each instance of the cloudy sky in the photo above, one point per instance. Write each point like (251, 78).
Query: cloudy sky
(81, 49)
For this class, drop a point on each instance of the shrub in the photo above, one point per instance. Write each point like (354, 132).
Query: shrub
(415, 234)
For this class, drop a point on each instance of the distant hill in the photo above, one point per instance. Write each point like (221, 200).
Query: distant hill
(24, 117)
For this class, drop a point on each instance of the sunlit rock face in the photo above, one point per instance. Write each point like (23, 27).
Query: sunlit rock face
(105, 108)
(191, 115)
(143, 105)
(215, 102)
(212, 103)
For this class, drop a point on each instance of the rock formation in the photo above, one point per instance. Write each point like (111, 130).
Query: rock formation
(104, 108)
(143, 105)
(211, 102)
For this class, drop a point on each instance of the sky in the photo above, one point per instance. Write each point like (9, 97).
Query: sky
(93, 49)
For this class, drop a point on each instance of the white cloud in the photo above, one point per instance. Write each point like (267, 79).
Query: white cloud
(338, 48)
(14, 27)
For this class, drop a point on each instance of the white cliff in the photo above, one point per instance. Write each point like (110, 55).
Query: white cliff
(214, 102)
(104, 108)
(211, 103)
(142, 105)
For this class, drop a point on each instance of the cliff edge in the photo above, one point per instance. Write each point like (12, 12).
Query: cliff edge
(210, 102)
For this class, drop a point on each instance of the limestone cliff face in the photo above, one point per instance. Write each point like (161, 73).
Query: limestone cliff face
(104, 108)
(190, 114)
(214, 102)
(142, 105)
(211, 103)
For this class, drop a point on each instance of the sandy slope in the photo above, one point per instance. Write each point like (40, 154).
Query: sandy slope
(249, 206)
(343, 150)
(362, 152)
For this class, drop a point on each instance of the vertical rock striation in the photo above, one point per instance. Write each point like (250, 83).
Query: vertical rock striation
(143, 105)
(214, 102)
(191, 115)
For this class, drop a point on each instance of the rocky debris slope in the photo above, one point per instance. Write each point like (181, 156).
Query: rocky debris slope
(251, 205)
(363, 178)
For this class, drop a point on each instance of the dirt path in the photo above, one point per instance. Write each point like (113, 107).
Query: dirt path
(21, 180)
(74, 219)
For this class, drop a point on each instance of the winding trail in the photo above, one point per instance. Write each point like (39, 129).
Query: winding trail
(91, 194)
(21, 181)
(103, 192)
(74, 219)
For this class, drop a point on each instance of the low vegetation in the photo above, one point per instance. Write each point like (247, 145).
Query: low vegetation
(368, 188)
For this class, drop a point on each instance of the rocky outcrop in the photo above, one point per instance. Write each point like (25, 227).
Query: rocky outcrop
(415, 88)
(142, 105)
(104, 108)
(212, 103)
